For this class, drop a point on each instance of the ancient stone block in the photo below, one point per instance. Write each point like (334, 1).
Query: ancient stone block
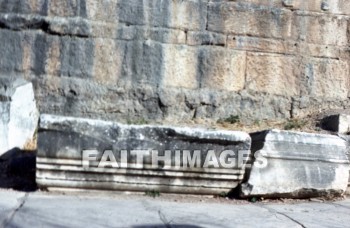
(297, 165)
(268, 3)
(326, 78)
(63, 142)
(271, 73)
(62, 8)
(221, 68)
(334, 6)
(249, 19)
(143, 62)
(53, 63)
(107, 61)
(261, 45)
(24, 7)
(189, 15)
(19, 116)
(103, 10)
(343, 7)
(77, 57)
(320, 29)
(316, 50)
(11, 51)
(103, 30)
(180, 67)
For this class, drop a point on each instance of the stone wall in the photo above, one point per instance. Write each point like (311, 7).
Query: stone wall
(179, 59)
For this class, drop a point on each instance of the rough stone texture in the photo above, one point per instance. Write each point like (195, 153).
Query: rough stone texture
(19, 115)
(298, 165)
(270, 72)
(179, 60)
(62, 140)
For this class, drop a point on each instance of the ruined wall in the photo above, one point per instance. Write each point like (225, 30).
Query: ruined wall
(179, 59)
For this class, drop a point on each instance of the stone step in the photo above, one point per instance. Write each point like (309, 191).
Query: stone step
(94, 154)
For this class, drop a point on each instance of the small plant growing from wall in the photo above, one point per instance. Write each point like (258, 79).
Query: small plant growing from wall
(152, 193)
(232, 119)
(294, 124)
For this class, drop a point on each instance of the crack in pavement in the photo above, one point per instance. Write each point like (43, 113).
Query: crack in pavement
(161, 215)
(10, 217)
(339, 205)
(283, 214)
(164, 219)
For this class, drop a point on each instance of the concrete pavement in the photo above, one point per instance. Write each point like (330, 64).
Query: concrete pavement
(42, 209)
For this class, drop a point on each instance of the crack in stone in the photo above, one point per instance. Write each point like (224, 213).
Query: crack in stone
(8, 220)
(283, 214)
(207, 22)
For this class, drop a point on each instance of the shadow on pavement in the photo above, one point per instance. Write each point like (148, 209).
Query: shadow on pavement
(17, 170)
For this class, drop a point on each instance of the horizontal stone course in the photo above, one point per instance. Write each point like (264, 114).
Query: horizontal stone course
(185, 15)
(288, 49)
(251, 20)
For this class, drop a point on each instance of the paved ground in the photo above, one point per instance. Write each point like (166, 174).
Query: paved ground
(40, 209)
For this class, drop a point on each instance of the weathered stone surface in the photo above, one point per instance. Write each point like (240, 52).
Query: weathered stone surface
(298, 165)
(19, 116)
(64, 8)
(333, 6)
(189, 15)
(24, 7)
(255, 44)
(181, 73)
(273, 74)
(249, 19)
(222, 69)
(321, 29)
(11, 52)
(257, 59)
(104, 10)
(62, 141)
(326, 78)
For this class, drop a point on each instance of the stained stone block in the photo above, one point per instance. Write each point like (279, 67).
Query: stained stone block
(316, 29)
(64, 141)
(18, 116)
(327, 78)
(249, 19)
(177, 14)
(11, 52)
(297, 165)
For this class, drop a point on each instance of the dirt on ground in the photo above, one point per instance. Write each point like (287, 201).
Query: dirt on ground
(311, 123)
